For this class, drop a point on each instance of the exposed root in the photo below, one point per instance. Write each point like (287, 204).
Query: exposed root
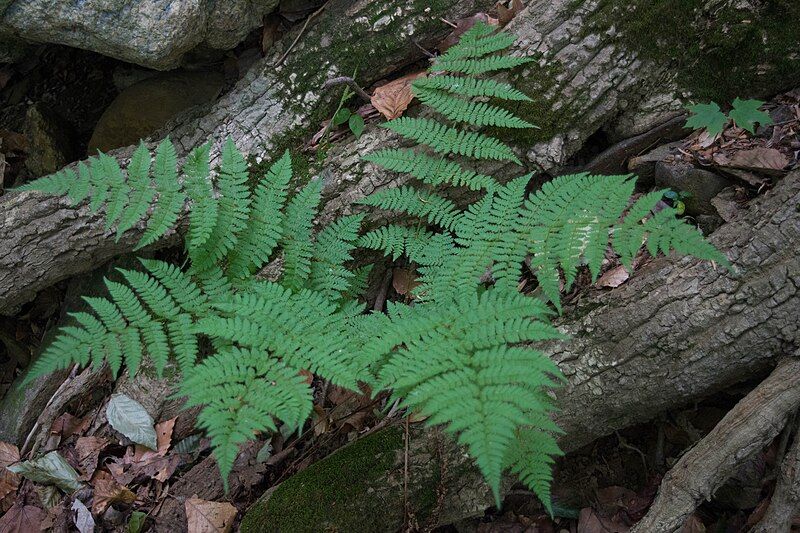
(745, 430)
(786, 498)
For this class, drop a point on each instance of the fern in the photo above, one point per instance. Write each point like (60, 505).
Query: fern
(455, 355)
(263, 334)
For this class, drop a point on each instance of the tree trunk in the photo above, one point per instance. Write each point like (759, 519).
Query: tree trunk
(677, 331)
(611, 64)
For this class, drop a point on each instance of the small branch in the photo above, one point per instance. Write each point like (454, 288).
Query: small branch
(302, 31)
(341, 80)
(744, 431)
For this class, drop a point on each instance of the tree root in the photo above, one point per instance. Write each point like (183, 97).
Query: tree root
(745, 430)
(785, 501)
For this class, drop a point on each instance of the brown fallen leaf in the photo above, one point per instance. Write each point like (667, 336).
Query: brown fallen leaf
(404, 281)
(506, 14)
(107, 491)
(393, 98)
(9, 481)
(590, 521)
(320, 420)
(767, 160)
(67, 425)
(164, 435)
(22, 519)
(309, 377)
(461, 27)
(203, 516)
(87, 450)
(614, 277)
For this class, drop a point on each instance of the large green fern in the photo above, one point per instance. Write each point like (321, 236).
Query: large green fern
(456, 355)
(264, 333)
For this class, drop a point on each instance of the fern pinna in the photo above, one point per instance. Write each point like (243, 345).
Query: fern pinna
(263, 333)
(462, 353)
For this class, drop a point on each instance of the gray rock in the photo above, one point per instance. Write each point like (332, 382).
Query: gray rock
(644, 166)
(146, 106)
(49, 140)
(703, 185)
(151, 33)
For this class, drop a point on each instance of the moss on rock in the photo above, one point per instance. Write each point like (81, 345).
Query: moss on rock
(718, 51)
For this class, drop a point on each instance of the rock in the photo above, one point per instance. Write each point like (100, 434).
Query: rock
(152, 33)
(644, 166)
(702, 185)
(50, 143)
(147, 105)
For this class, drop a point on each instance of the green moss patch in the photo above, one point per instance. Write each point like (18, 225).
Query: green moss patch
(333, 494)
(719, 53)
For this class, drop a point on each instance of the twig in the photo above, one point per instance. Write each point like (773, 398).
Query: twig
(302, 31)
(349, 81)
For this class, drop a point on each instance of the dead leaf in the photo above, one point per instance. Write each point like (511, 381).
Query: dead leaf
(319, 420)
(67, 425)
(9, 481)
(404, 281)
(22, 519)
(461, 27)
(83, 518)
(393, 98)
(767, 160)
(506, 14)
(107, 491)
(614, 277)
(164, 435)
(590, 521)
(209, 517)
(88, 451)
(308, 375)
(14, 142)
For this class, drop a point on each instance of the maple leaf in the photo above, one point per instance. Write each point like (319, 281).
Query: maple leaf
(392, 99)
(708, 116)
(745, 114)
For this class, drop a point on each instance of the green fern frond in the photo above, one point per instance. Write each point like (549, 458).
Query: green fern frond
(665, 232)
(446, 140)
(484, 65)
(470, 87)
(394, 240)
(118, 191)
(433, 171)
(170, 200)
(232, 212)
(331, 251)
(242, 391)
(197, 181)
(427, 205)
(263, 230)
(296, 235)
(181, 287)
(56, 184)
(141, 190)
(532, 458)
(478, 45)
(475, 113)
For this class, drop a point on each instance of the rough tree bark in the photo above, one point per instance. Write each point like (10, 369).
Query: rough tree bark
(613, 64)
(677, 331)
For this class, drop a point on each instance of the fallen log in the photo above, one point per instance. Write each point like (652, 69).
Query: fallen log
(613, 65)
(677, 331)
